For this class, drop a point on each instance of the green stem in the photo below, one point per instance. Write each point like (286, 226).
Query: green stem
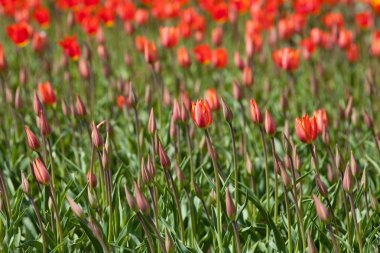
(300, 220)
(218, 189)
(53, 200)
(235, 164)
(357, 230)
(147, 233)
(236, 234)
(266, 176)
(290, 238)
(39, 223)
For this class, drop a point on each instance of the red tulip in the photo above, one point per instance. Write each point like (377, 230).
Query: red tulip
(212, 99)
(39, 42)
(91, 179)
(169, 36)
(41, 173)
(201, 113)
(183, 57)
(42, 16)
(353, 53)
(333, 20)
(375, 45)
(47, 94)
(254, 109)
(140, 43)
(19, 33)
(107, 16)
(3, 62)
(345, 39)
(307, 129)
(90, 24)
(308, 48)
(322, 119)
(287, 58)
(71, 47)
(150, 52)
(364, 20)
(219, 58)
(270, 125)
(203, 53)
(219, 12)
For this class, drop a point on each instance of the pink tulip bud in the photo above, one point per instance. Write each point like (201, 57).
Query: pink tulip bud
(37, 106)
(130, 199)
(91, 179)
(237, 91)
(24, 184)
(348, 180)
(80, 108)
(44, 124)
(247, 79)
(164, 158)
(77, 210)
(354, 166)
(270, 125)
(41, 173)
(230, 206)
(322, 212)
(152, 125)
(142, 202)
(176, 115)
(84, 69)
(18, 100)
(96, 137)
(227, 113)
(322, 188)
(217, 36)
(31, 139)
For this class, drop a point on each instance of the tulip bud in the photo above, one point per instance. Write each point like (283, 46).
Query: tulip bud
(247, 79)
(65, 109)
(92, 199)
(238, 61)
(176, 115)
(96, 137)
(142, 202)
(322, 212)
(325, 136)
(249, 165)
(166, 97)
(227, 113)
(24, 184)
(77, 210)
(310, 244)
(270, 125)
(164, 158)
(322, 188)
(37, 106)
(130, 199)
(348, 110)
(173, 130)
(230, 206)
(80, 108)
(132, 98)
(91, 179)
(354, 166)
(152, 126)
(348, 180)
(331, 175)
(18, 100)
(41, 173)
(184, 114)
(84, 69)
(44, 124)
(31, 139)
(148, 95)
(237, 91)
(169, 246)
(368, 119)
(364, 181)
(217, 36)
(145, 175)
(285, 178)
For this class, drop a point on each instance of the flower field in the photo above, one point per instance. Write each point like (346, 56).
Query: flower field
(189, 126)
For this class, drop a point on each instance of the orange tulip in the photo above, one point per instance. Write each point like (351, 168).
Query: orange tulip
(376, 5)
(333, 19)
(107, 16)
(307, 129)
(19, 33)
(322, 119)
(183, 57)
(169, 36)
(219, 58)
(287, 58)
(201, 113)
(71, 47)
(255, 112)
(150, 52)
(212, 99)
(203, 53)
(41, 173)
(47, 93)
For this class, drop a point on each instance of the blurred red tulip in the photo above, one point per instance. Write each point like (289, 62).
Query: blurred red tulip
(42, 16)
(183, 57)
(375, 44)
(140, 43)
(306, 7)
(150, 52)
(308, 48)
(202, 53)
(169, 36)
(141, 16)
(333, 20)
(71, 47)
(321, 119)
(219, 12)
(47, 94)
(107, 16)
(90, 25)
(20, 33)
(217, 36)
(39, 42)
(201, 113)
(345, 39)
(286, 58)
(255, 112)
(353, 53)
(219, 58)
(212, 99)
(3, 62)
(307, 129)
(364, 20)
(248, 79)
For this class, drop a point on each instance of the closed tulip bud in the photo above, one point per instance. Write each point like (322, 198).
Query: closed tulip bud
(164, 158)
(368, 120)
(230, 206)
(167, 98)
(152, 126)
(145, 175)
(217, 36)
(65, 109)
(310, 245)
(80, 108)
(201, 113)
(236, 90)
(354, 166)
(23, 76)
(41, 173)
(348, 110)
(91, 179)
(247, 79)
(322, 188)
(148, 95)
(132, 98)
(325, 136)
(150, 167)
(96, 137)
(180, 175)
(173, 130)
(338, 159)
(141, 201)
(84, 69)
(249, 165)
(130, 199)
(31, 139)
(322, 212)
(254, 109)
(348, 180)
(331, 174)
(24, 184)
(238, 61)
(169, 246)
(176, 115)
(92, 199)
(364, 181)
(44, 124)
(37, 106)
(184, 114)
(18, 100)
(77, 210)
(270, 125)
(227, 113)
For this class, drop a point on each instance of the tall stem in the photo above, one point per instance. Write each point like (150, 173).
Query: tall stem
(53, 200)
(147, 233)
(357, 230)
(236, 234)
(276, 181)
(157, 234)
(266, 176)
(336, 247)
(300, 220)
(178, 203)
(235, 164)
(39, 223)
(290, 239)
(218, 189)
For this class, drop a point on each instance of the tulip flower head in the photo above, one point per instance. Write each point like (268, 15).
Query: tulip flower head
(201, 113)
(20, 33)
(270, 125)
(47, 93)
(254, 109)
(212, 99)
(307, 129)
(41, 173)
(287, 58)
(71, 47)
